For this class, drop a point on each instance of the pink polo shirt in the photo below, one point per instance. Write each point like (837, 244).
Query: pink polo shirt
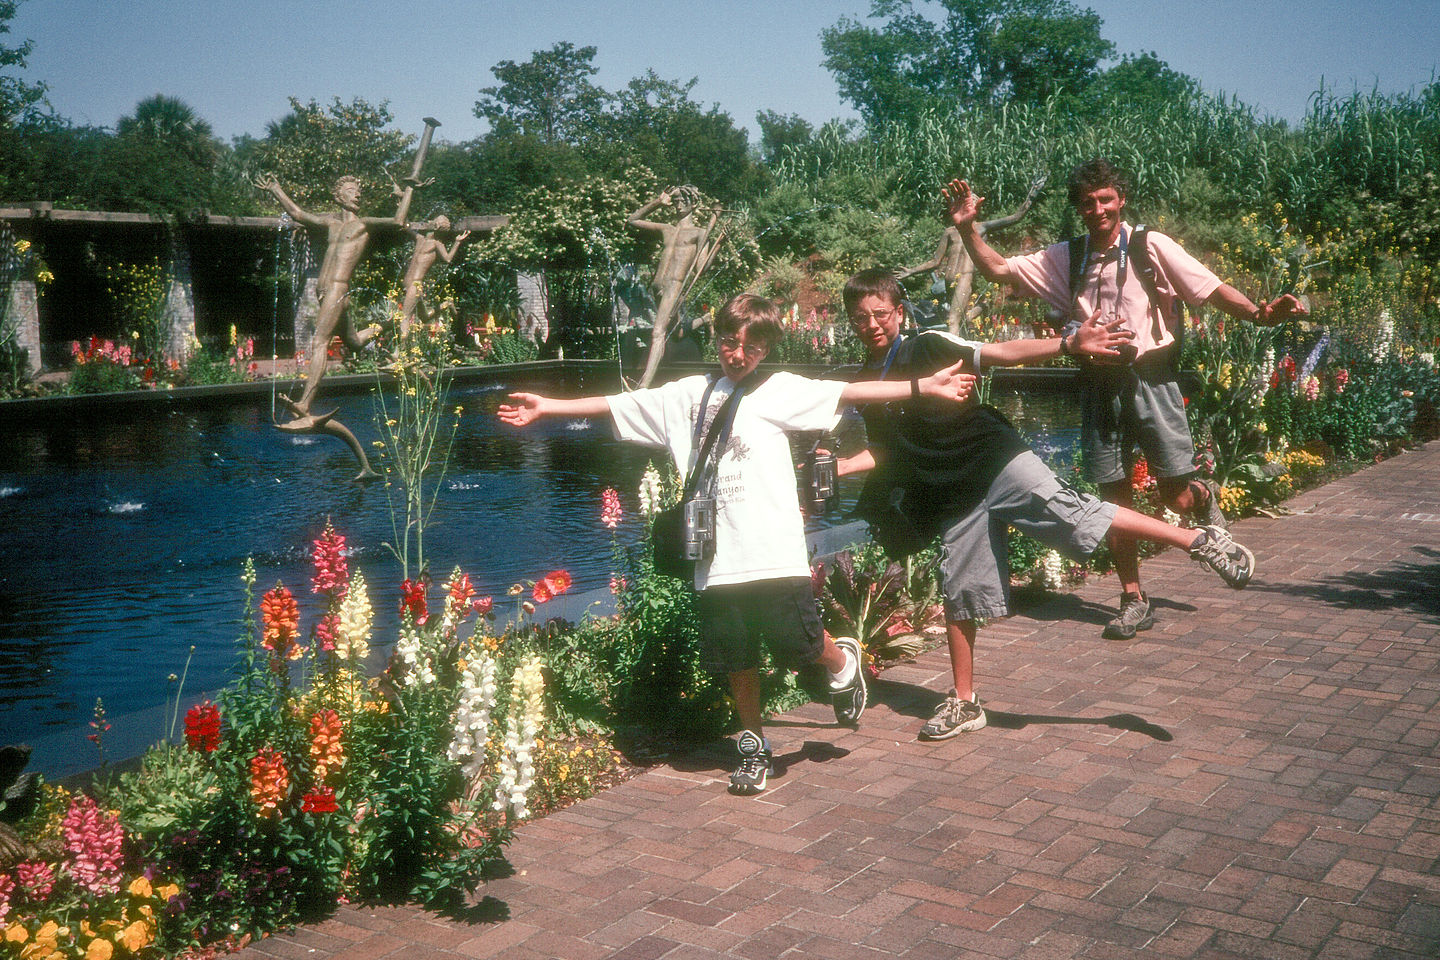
(1046, 275)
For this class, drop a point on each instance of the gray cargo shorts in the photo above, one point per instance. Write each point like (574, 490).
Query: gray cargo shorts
(975, 551)
(1125, 407)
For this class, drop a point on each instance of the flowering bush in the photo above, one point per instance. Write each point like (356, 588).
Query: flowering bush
(289, 797)
(90, 900)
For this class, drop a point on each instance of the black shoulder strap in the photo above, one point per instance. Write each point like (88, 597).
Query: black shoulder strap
(1077, 264)
(719, 430)
(1144, 266)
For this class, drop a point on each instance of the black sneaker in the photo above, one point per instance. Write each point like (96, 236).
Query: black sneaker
(849, 700)
(1208, 514)
(1135, 614)
(1231, 561)
(954, 716)
(749, 777)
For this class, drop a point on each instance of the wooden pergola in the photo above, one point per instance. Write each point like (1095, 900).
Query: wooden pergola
(221, 271)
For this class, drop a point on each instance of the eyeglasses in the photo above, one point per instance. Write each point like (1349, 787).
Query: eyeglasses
(752, 350)
(878, 316)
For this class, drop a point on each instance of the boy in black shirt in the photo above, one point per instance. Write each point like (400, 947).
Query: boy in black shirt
(965, 473)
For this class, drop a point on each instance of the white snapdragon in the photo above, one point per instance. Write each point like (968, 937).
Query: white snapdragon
(352, 641)
(1384, 336)
(419, 670)
(517, 761)
(1050, 573)
(650, 491)
(472, 717)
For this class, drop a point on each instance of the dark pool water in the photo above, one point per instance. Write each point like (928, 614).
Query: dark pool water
(122, 539)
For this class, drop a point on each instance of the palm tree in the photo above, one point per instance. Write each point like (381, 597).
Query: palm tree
(172, 121)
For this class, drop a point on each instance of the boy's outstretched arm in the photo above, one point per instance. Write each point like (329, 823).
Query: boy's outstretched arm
(1092, 339)
(526, 408)
(947, 384)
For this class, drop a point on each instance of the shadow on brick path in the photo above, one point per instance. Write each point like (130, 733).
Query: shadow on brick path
(1256, 777)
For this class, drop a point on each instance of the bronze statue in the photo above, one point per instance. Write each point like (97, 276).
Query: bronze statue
(954, 265)
(347, 236)
(687, 251)
(427, 250)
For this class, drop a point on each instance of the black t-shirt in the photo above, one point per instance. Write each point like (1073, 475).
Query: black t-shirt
(944, 455)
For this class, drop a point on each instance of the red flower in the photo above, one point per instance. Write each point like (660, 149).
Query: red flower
(327, 628)
(462, 591)
(202, 727)
(552, 585)
(412, 601)
(319, 800)
(484, 605)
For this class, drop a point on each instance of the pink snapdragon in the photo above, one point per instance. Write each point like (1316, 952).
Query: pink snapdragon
(610, 512)
(94, 839)
(332, 571)
(37, 877)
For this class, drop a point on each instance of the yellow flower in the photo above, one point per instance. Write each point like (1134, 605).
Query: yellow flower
(99, 950)
(135, 936)
(140, 887)
(167, 891)
(16, 933)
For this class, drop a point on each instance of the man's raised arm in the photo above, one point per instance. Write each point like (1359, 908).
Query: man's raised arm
(963, 208)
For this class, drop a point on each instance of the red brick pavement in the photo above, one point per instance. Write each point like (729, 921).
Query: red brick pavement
(1256, 777)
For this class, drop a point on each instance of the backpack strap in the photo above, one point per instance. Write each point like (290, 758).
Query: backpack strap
(1145, 270)
(1079, 252)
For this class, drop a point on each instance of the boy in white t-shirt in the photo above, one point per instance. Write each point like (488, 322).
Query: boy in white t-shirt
(756, 586)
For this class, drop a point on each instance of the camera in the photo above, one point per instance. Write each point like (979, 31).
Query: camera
(699, 528)
(819, 483)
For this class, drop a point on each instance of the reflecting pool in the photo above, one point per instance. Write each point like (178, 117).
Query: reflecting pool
(122, 537)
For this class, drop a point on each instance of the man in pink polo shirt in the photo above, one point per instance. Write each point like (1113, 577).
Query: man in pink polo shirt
(1135, 401)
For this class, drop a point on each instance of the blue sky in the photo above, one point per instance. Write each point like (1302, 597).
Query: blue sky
(236, 61)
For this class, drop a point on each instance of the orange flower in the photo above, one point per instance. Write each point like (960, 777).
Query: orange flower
(280, 617)
(325, 748)
(268, 781)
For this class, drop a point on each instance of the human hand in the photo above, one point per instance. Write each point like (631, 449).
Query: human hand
(527, 408)
(949, 384)
(962, 205)
(462, 235)
(1279, 310)
(1102, 341)
(266, 181)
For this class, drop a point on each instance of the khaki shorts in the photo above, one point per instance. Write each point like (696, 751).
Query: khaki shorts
(975, 551)
(1125, 407)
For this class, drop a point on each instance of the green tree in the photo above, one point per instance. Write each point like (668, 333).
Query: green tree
(162, 159)
(977, 51)
(1140, 79)
(312, 146)
(549, 97)
(18, 97)
(657, 123)
(779, 133)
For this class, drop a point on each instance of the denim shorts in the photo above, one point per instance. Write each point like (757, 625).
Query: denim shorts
(975, 551)
(736, 618)
(1125, 407)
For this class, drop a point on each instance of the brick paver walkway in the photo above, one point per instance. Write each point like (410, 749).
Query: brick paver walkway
(1256, 777)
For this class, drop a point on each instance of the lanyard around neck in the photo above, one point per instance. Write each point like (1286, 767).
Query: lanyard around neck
(1122, 268)
(890, 357)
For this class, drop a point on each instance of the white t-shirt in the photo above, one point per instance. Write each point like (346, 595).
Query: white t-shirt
(759, 531)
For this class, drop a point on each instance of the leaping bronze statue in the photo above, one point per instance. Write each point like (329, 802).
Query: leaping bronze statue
(347, 236)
